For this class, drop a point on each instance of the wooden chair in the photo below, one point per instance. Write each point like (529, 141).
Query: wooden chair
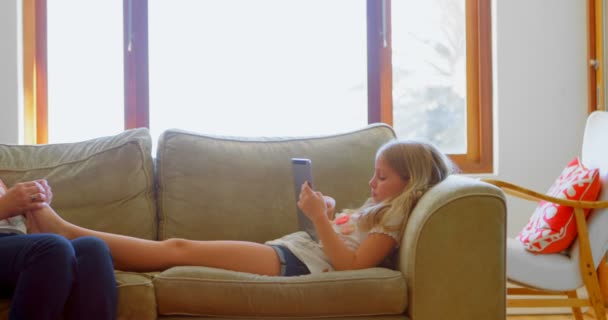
(561, 274)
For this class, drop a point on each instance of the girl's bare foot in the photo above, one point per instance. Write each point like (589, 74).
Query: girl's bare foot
(30, 224)
(48, 221)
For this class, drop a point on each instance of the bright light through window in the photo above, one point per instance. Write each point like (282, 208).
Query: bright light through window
(429, 72)
(85, 69)
(258, 68)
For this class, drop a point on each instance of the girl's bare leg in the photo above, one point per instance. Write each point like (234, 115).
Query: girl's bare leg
(135, 254)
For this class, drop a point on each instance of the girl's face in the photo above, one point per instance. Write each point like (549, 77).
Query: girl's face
(385, 183)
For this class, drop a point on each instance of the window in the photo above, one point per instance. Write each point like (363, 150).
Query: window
(255, 72)
(441, 77)
(206, 67)
(429, 71)
(85, 70)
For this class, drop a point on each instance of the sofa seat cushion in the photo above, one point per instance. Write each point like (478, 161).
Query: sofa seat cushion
(105, 184)
(203, 291)
(136, 299)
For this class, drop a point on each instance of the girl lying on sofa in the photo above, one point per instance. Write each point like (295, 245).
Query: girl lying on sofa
(355, 239)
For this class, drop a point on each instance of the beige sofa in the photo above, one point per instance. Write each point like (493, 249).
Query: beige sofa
(451, 263)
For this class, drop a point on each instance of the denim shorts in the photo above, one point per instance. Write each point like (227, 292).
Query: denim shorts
(290, 264)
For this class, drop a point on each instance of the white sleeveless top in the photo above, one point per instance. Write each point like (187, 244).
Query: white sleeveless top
(346, 227)
(14, 224)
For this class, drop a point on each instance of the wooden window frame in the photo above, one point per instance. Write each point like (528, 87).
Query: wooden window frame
(35, 100)
(595, 55)
(479, 156)
(137, 92)
(477, 159)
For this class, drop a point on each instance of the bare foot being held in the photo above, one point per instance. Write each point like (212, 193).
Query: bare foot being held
(30, 224)
(46, 220)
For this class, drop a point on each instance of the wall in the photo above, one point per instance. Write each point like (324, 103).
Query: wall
(9, 78)
(540, 92)
(539, 89)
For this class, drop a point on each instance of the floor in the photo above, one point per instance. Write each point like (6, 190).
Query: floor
(586, 316)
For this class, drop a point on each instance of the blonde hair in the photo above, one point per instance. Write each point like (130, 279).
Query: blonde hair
(418, 163)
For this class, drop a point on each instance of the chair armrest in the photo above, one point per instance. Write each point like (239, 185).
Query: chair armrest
(521, 192)
(452, 253)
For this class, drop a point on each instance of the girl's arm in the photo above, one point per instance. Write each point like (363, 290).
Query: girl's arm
(369, 254)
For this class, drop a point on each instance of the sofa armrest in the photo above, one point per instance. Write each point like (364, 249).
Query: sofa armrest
(452, 253)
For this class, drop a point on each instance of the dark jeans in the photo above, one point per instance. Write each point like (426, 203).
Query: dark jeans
(50, 277)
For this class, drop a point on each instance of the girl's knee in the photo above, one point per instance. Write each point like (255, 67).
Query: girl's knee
(175, 243)
(176, 247)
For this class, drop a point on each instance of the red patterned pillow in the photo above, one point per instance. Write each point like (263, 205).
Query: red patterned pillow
(552, 227)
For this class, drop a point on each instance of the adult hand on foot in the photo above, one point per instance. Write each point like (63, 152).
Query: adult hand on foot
(3, 188)
(47, 190)
(24, 196)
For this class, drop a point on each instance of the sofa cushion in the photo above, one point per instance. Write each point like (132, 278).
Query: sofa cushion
(209, 187)
(104, 184)
(136, 299)
(214, 292)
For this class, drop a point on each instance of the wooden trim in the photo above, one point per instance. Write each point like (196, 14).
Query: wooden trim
(600, 52)
(479, 156)
(386, 71)
(35, 72)
(531, 195)
(29, 72)
(374, 61)
(576, 311)
(595, 52)
(546, 303)
(587, 266)
(379, 64)
(592, 87)
(526, 291)
(137, 97)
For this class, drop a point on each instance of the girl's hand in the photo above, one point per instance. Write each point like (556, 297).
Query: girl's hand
(312, 203)
(24, 196)
(330, 204)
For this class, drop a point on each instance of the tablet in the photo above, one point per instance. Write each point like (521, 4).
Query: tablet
(302, 171)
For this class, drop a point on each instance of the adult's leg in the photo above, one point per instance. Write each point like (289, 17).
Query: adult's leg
(135, 254)
(36, 271)
(94, 294)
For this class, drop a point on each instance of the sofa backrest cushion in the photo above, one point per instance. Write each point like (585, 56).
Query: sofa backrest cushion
(215, 187)
(104, 184)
